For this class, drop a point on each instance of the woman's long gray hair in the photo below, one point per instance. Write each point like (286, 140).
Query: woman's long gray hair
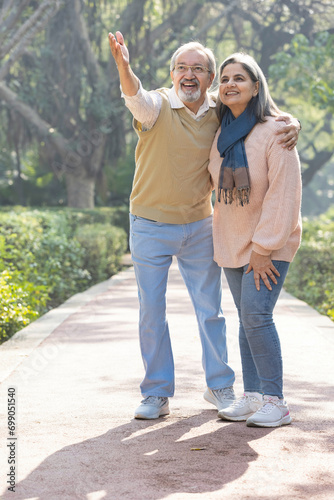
(261, 105)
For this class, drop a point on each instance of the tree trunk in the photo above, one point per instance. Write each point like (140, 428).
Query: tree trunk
(80, 191)
(43, 128)
(18, 180)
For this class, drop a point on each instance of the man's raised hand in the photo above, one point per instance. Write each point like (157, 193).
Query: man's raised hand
(118, 49)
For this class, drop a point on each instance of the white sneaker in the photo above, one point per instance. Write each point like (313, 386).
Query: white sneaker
(221, 398)
(243, 407)
(273, 413)
(152, 407)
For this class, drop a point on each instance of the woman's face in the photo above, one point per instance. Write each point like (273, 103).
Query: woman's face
(236, 88)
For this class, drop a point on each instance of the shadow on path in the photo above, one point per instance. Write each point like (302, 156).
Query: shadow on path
(138, 460)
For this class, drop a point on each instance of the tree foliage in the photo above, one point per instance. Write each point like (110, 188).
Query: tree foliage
(305, 74)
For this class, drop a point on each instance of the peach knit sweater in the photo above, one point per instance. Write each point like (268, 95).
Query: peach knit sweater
(271, 223)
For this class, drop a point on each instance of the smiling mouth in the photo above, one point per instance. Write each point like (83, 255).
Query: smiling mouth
(189, 85)
(232, 93)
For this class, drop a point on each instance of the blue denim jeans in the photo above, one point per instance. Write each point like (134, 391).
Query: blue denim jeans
(153, 245)
(260, 346)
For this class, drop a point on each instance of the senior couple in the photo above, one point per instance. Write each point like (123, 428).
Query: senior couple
(189, 144)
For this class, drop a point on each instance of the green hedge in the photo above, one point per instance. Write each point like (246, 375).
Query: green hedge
(104, 246)
(48, 255)
(115, 216)
(311, 274)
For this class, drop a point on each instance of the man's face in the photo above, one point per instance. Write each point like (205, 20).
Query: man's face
(191, 86)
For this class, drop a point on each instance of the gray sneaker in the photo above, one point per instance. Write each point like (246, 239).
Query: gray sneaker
(243, 407)
(221, 398)
(152, 407)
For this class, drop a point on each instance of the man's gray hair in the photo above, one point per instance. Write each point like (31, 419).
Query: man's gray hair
(199, 48)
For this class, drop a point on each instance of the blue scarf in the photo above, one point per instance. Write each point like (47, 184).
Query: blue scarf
(234, 173)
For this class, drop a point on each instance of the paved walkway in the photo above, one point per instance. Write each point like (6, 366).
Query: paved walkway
(76, 373)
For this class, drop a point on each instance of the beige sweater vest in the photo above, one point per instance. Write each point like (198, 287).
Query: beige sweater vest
(171, 182)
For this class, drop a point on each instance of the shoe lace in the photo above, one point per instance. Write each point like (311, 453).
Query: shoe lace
(266, 408)
(226, 392)
(269, 404)
(240, 402)
(153, 399)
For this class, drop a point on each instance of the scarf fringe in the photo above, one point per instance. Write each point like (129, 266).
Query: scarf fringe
(229, 195)
(243, 196)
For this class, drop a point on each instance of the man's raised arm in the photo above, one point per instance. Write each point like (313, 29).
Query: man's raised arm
(129, 81)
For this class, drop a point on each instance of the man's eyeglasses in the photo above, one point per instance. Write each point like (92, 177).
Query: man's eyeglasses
(197, 70)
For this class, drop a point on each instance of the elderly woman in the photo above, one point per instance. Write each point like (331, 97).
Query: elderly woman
(256, 230)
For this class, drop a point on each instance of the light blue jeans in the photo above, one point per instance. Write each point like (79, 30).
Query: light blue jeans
(153, 244)
(260, 346)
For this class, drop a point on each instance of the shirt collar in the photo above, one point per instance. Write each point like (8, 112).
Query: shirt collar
(176, 103)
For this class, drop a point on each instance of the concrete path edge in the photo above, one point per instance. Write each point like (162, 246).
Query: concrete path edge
(23, 342)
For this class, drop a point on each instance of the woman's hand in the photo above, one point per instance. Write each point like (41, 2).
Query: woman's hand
(263, 267)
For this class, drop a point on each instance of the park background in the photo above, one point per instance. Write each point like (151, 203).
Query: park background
(67, 143)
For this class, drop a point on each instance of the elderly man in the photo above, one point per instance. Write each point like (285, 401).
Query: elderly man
(171, 215)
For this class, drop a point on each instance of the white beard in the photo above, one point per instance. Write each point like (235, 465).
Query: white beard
(189, 95)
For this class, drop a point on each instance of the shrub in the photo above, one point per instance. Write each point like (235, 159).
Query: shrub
(104, 247)
(21, 302)
(311, 275)
(43, 254)
(73, 217)
(47, 256)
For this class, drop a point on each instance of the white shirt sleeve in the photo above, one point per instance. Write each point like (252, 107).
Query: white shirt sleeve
(145, 106)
